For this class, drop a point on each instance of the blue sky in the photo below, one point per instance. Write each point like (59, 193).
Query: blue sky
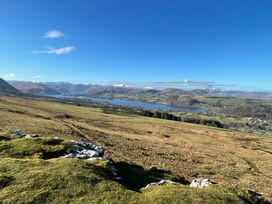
(226, 43)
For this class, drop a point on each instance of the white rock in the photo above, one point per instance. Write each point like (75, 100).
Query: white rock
(28, 136)
(200, 183)
(86, 154)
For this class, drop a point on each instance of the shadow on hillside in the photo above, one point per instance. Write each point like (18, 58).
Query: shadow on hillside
(5, 181)
(135, 177)
(4, 138)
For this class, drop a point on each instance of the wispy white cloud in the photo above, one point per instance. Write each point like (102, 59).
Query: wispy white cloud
(9, 76)
(58, 51)
(53, 34)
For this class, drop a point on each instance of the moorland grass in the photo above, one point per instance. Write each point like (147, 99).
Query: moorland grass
(78, 181)
(227, 157)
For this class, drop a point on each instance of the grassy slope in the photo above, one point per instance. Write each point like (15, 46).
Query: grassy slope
(224, 156)
(75, 181)
(31, 179)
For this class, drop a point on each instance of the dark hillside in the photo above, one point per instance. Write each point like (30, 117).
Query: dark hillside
(6, 87)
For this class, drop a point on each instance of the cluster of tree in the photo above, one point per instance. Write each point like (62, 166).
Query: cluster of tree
(162, 115)
(169, 116)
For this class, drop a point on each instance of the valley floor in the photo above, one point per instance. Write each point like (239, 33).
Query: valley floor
(226, 157)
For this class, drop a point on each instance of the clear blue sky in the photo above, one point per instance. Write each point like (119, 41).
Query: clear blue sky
(228, 42)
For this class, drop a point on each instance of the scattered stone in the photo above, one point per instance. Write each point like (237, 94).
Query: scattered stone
(19, 132)
(160, 183)
(200, 183)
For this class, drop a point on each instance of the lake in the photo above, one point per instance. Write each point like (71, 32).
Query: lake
(138, 104)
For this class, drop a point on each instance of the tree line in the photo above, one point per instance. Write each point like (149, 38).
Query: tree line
(162, 115)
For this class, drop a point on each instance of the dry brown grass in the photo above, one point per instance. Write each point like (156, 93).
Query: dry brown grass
(191, 150)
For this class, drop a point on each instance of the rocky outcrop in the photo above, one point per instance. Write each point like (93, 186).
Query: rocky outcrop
(85, 150)
(90, 151)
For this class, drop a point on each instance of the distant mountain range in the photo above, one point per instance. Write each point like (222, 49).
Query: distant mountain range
(54, 88)
(170, 96)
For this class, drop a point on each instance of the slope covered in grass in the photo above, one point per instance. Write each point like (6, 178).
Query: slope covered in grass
(26, 177)
(77, 181)
(192, 151)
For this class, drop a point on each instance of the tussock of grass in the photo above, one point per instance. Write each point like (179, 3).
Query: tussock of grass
(26, 148)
